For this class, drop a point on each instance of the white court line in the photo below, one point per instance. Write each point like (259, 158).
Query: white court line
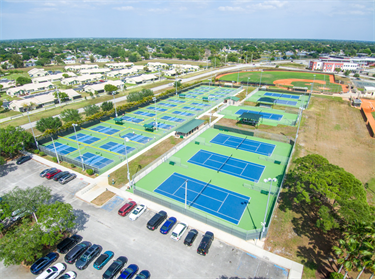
(223, 202)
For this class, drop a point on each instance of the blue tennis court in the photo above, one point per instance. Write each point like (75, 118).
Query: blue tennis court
(191, 108)
(94, 160)
(252, 146)
(265, 115)
(145, 113)
(183, 113)
(137, 137)
(105, 130)
(191, 96)
(287, 96)
(283, 102)
(162, 125)
(132, 119)
(176, 101)
(173, 119)
(207, 197)
(227, 164)
(167, 105)
(84, 138)
(117, 147)
(156, 108)
(200, 104)
(61, 148)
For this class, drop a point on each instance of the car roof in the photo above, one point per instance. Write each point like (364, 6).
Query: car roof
(179, 227)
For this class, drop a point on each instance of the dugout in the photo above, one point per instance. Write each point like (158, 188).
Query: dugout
(182, 96)
(250, 118)
(189, 128)
(231, 100)
(300, 89)
(266, 102)
(118, 121)
(149, 127)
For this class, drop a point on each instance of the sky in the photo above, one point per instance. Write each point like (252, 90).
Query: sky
(279, 19)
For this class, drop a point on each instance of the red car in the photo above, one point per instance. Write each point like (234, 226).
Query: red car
(52, 174)
(125, 209)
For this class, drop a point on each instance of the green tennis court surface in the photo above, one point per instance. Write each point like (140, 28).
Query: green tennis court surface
(214, 160)
(106, 140)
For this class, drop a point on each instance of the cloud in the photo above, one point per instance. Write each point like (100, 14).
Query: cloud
(124, 8)
(231, 9)
(266, 5)
(158, 10)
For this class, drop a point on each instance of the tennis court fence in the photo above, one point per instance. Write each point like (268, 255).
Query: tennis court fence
(67, 159)
(207, 219)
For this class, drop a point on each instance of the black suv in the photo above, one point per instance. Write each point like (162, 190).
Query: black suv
(77, 251)
(88, 256)
(155, 221)
(191, 236)
(205, 244)
(68, 243)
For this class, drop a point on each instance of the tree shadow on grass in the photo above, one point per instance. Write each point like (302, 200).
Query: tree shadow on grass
(81, 220)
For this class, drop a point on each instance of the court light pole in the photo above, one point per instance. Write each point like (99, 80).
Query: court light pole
(80, 155)
(36, 143)
(127, 161)
(57, 156)
(238, 74)
(156, 114)
(113, 94)
(268, 200)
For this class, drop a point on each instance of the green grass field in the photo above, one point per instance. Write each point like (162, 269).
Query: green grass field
(270, 76)
(254, 213)
(288, 119)
(173, 104)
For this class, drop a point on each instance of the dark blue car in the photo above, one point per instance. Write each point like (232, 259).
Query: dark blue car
(43, 263)
(129, 272)
(168, 225)
(144, 274)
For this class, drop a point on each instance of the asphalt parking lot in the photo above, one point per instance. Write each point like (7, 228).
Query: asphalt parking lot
(158, 253)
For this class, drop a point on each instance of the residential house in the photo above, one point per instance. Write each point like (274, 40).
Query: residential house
(82, 79)
(77, 68)
(99, 88)
(155, 66)
(52, 78)
(35, 72)
(141, 79)
(29, 88)
(94, 71)
(122, 65)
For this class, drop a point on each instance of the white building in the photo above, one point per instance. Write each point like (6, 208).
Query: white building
(35, 72)
(82, 79)
(30, 88)
(77, 68)
(7, 84)
(141, 79)
(122, 73)
(170, 73)
(155, 66)
(122, 65)
(52, 78)
(99, 88)
(94, 71)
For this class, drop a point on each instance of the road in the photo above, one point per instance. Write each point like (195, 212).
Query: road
(161, 87)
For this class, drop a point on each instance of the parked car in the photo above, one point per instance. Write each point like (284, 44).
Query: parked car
(23, 159)
(39, 265)
(126, 208)
(129, 272)
(168, 225)
(18, 214)
(144, 274)
(191, 236)
(76, 252)
(88, 256)
(51, 174)
(178, 231)
(44, 172)
(205, 244)
(103, 260)
(115, 267)
(138, 211)
(59, 175)
(67, 178)
(52, 272)
(69, 275)
(68, 243)
(156, 220)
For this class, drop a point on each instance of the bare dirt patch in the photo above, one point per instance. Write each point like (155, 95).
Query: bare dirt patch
(103, 198)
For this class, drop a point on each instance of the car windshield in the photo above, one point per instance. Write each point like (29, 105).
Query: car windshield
(40, 261)
(141, 276)
(164, 227)
(135, 211)
(101, 259)
(52, 269)
(174, 234)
